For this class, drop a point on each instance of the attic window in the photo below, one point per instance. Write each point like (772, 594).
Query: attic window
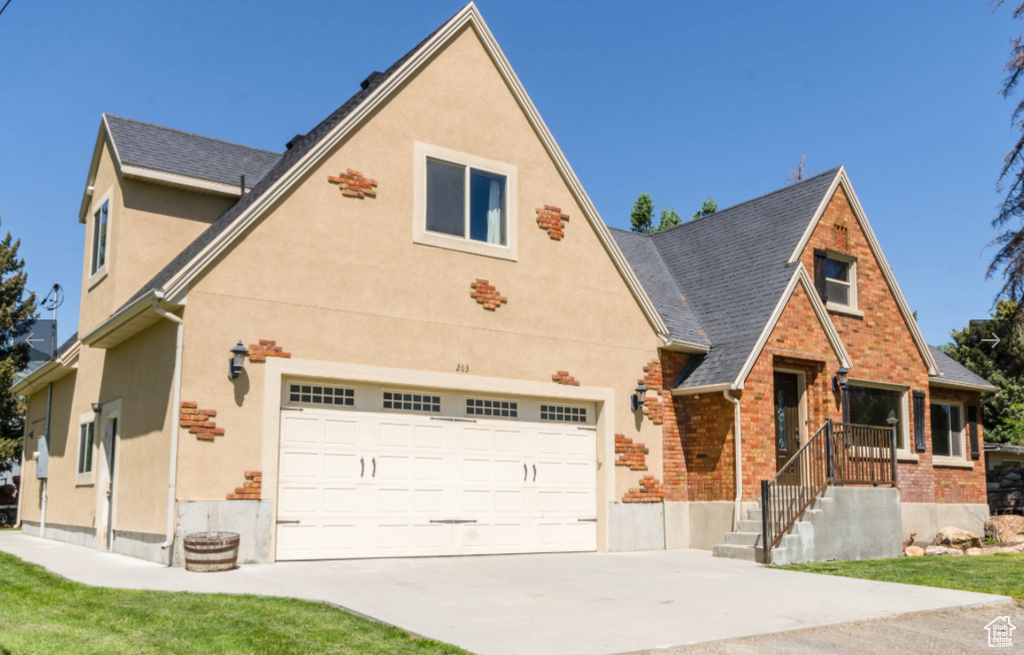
(99, 238)
(835, 277)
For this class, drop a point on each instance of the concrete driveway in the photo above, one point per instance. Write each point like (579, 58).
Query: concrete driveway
(586, 604)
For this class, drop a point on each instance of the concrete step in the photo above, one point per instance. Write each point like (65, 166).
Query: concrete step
(736, 551)
(743, 538)
(749, 526)
(754, 514)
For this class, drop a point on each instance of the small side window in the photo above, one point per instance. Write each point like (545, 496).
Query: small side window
(100, 221)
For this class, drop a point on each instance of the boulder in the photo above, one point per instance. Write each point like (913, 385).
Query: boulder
(1008, 528)
(942, 550)
(953, 537)
(972, 551)
(913, 551)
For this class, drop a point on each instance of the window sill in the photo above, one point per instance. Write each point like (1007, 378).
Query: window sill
(437, 240)
(952, 462)
(844, 309)
(84, 480)
(97, 277)
(902, 456)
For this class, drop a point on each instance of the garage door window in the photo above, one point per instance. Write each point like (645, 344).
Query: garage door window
(412, 402)
(563, 414)
(498, 408)
(321, 395)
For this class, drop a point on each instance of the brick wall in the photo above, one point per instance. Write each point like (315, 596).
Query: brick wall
(199, 421)
(251, 489)
(354, 185)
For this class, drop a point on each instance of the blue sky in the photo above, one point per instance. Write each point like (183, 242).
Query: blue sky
(684, 100)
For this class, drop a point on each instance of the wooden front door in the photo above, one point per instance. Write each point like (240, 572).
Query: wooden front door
(787, 417)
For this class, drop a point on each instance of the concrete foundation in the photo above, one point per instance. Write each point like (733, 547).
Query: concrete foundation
(144, 545)
(72, 534)
(926, 519)
(636, 526)
(249, 518)
(699, 524)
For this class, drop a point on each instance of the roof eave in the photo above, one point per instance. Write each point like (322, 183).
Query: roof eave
(183, 181)
(127, 322)
(50, 371)
(705, 388)
(954, 384)
(681, 346)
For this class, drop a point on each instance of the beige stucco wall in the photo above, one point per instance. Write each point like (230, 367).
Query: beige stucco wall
(147, 226)
(339, 279)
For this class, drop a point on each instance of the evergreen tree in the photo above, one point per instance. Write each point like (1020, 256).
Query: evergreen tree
(669, 218)
(1001, 364)
(707, 208)
(642, 213)
(17, 312)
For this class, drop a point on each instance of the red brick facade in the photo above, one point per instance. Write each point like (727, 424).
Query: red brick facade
(485, 294)
(563, 377)
(632, 455)
(251, 490)
(258, 352)
(650, 491)
(198, 421)
(553, 220)
(354, 185)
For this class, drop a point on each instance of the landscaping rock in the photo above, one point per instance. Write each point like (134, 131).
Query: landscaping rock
(972, 551)
(942, 550)
(1008, 528)
(914, 551)
(954, 537)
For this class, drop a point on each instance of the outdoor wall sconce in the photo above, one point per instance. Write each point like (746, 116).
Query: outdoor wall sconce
(839, 379)
(892, 420)
(638, 397)
(96, 408)
(236, 361)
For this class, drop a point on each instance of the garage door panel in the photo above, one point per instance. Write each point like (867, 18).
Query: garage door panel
(524, 486)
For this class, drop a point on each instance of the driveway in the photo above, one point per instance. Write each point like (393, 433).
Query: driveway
(567, 604)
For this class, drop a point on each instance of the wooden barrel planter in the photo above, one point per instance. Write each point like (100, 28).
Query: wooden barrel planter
(207, 552)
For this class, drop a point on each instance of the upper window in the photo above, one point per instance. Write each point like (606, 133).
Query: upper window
(874, 406)
(86, 440)
(841, 281)
(463, 202)
(947, 431)
(99, 237)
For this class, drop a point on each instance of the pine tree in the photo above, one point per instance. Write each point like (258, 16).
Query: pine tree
(17, 312)
(669, 218)
(707, 208)
(642, 213)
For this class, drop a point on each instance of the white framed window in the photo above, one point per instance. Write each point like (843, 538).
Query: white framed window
(873, 403)
(948, 433)
(100, 223)
(494, 408)
(464, 202)
(318, 394)
(407, 401)
(563, 413)
(841, 281)
(86, 448)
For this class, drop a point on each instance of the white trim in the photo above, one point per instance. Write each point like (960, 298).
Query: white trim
(850, 307)
(953, 384)
(678, 345)
(707, 388)
(876, 250)
(833, 308)
(861, 382)
(110, 410)
(964, 456)
(49, 371)
(952, 462)
(420, 234)
(187, 181)
(801, 276)
(801, 390)
(86, 477)
(178, 285)
(277, 370)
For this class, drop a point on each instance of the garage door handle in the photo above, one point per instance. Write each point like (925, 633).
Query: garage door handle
(362, 466)
(373, 461)
(526, 472)
(587, 520)
(534, 472)
(453, 521)
(284, 522)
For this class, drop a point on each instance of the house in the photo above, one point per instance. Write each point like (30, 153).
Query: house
(436, 347)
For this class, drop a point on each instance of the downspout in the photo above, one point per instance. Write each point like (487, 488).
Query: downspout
(737, 510)
(46, 435)
(172, 476)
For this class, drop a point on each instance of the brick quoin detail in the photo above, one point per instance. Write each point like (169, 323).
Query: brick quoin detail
(563, 377)
(354, 185)
(654, 404)
(650, 491)
(198, 421)
(252, 488)
(485, 294)
(258, 352)
(553, 220)
(630, 454)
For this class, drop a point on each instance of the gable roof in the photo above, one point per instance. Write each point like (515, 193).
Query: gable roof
(954, 374)
(170, 285)
(168, 150)
(732, 268)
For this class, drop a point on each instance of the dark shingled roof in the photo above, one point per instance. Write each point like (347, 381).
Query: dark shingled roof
(300, 146)
(731, 268)
(661, 288)
(953, 371)
(183, 153)
(64, 347)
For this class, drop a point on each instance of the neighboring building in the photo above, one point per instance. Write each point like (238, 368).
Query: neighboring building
(443, 339)
(1004, 467)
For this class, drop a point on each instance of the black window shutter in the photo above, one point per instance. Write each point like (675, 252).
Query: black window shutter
(972, 420)
(819, 274)
(919, 421)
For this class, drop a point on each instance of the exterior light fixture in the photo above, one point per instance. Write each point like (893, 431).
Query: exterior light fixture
(638, 397)
(892, 420)
(97, 408)
(236, 361)
(839, 379)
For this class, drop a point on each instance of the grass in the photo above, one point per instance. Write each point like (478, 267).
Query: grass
(991, 574)
(41, 612)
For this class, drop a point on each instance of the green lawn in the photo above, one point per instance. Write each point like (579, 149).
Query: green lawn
(44, 613)
(990, 574)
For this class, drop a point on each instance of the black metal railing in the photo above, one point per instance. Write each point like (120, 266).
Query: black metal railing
(837, 454)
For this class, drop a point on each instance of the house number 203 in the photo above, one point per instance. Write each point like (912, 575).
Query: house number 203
(462, 368)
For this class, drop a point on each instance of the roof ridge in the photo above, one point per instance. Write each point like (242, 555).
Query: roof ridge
(718, 213)
(193, 134)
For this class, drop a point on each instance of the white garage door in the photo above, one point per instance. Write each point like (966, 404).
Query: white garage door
(370, 472)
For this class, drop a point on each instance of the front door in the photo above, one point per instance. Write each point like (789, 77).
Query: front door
(105, 490)
(787, 417)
